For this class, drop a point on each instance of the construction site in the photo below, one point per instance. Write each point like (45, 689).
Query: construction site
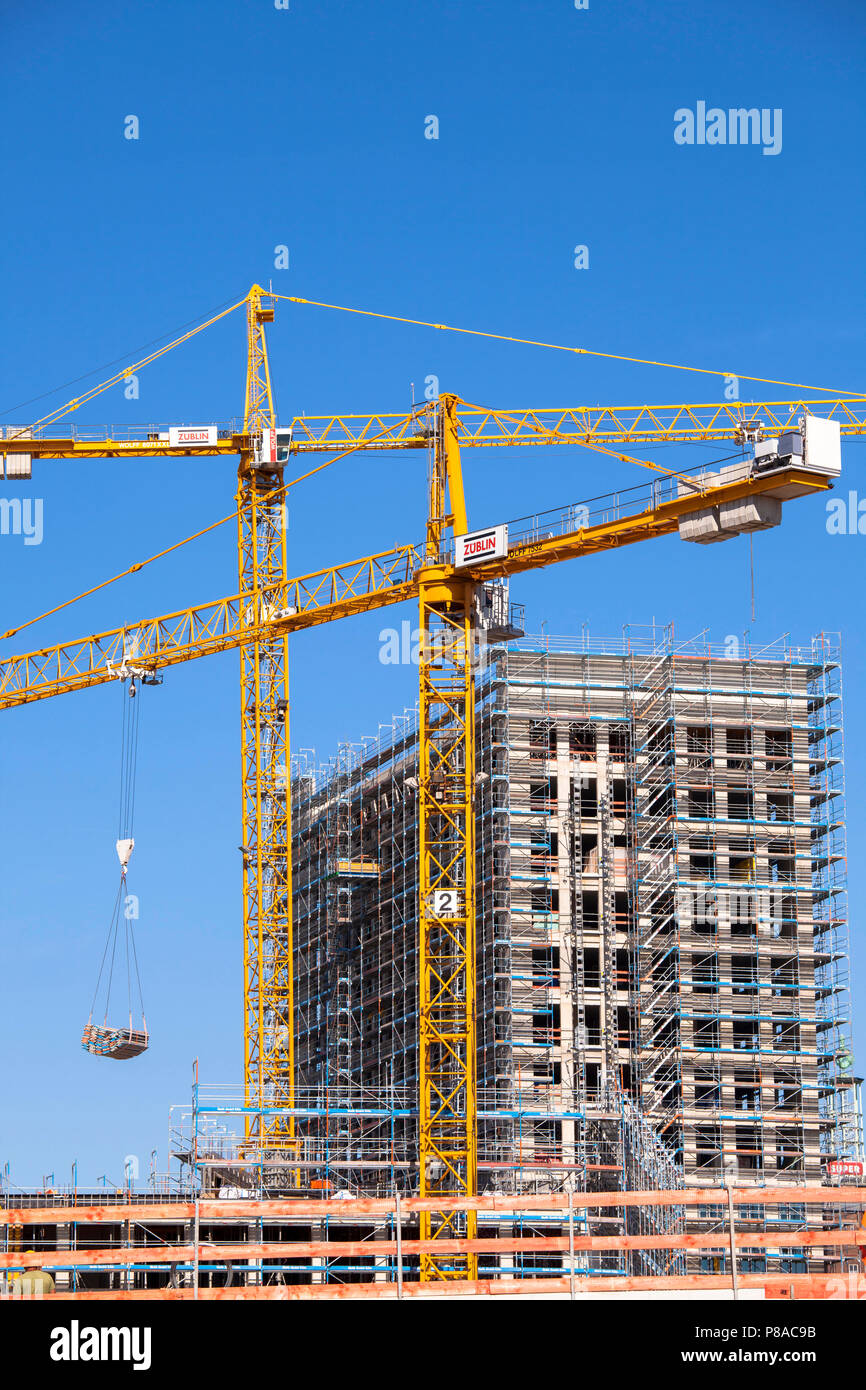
(547, 983)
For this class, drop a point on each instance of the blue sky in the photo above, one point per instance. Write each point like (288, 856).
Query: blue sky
(262, 127)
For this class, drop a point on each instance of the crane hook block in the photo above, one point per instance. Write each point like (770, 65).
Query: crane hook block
(124, 852)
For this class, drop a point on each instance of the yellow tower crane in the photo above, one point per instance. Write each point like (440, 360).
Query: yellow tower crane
(269, 1034)
(796, 454)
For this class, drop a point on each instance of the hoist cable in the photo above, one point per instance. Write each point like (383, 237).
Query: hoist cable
(105, 952)
(137, 972)
(130, 724)
(129, 761)
(114, 926)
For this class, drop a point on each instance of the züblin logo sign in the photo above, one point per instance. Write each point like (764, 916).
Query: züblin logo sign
(192, 435)
(76, 1343)
(481, 545)
(737, 126)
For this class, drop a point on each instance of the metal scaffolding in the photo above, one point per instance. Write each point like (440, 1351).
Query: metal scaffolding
(661, 954)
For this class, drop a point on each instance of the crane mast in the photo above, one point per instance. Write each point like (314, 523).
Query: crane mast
(267, 841)
(446, 852)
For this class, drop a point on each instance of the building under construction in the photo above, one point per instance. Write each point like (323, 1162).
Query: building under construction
(576, 930)
(663, 1012)
(662, 948)
(663, 1021)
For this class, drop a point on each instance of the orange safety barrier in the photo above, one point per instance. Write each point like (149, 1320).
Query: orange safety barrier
(781, 1286)
(333, 1249)
(294, 1208)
